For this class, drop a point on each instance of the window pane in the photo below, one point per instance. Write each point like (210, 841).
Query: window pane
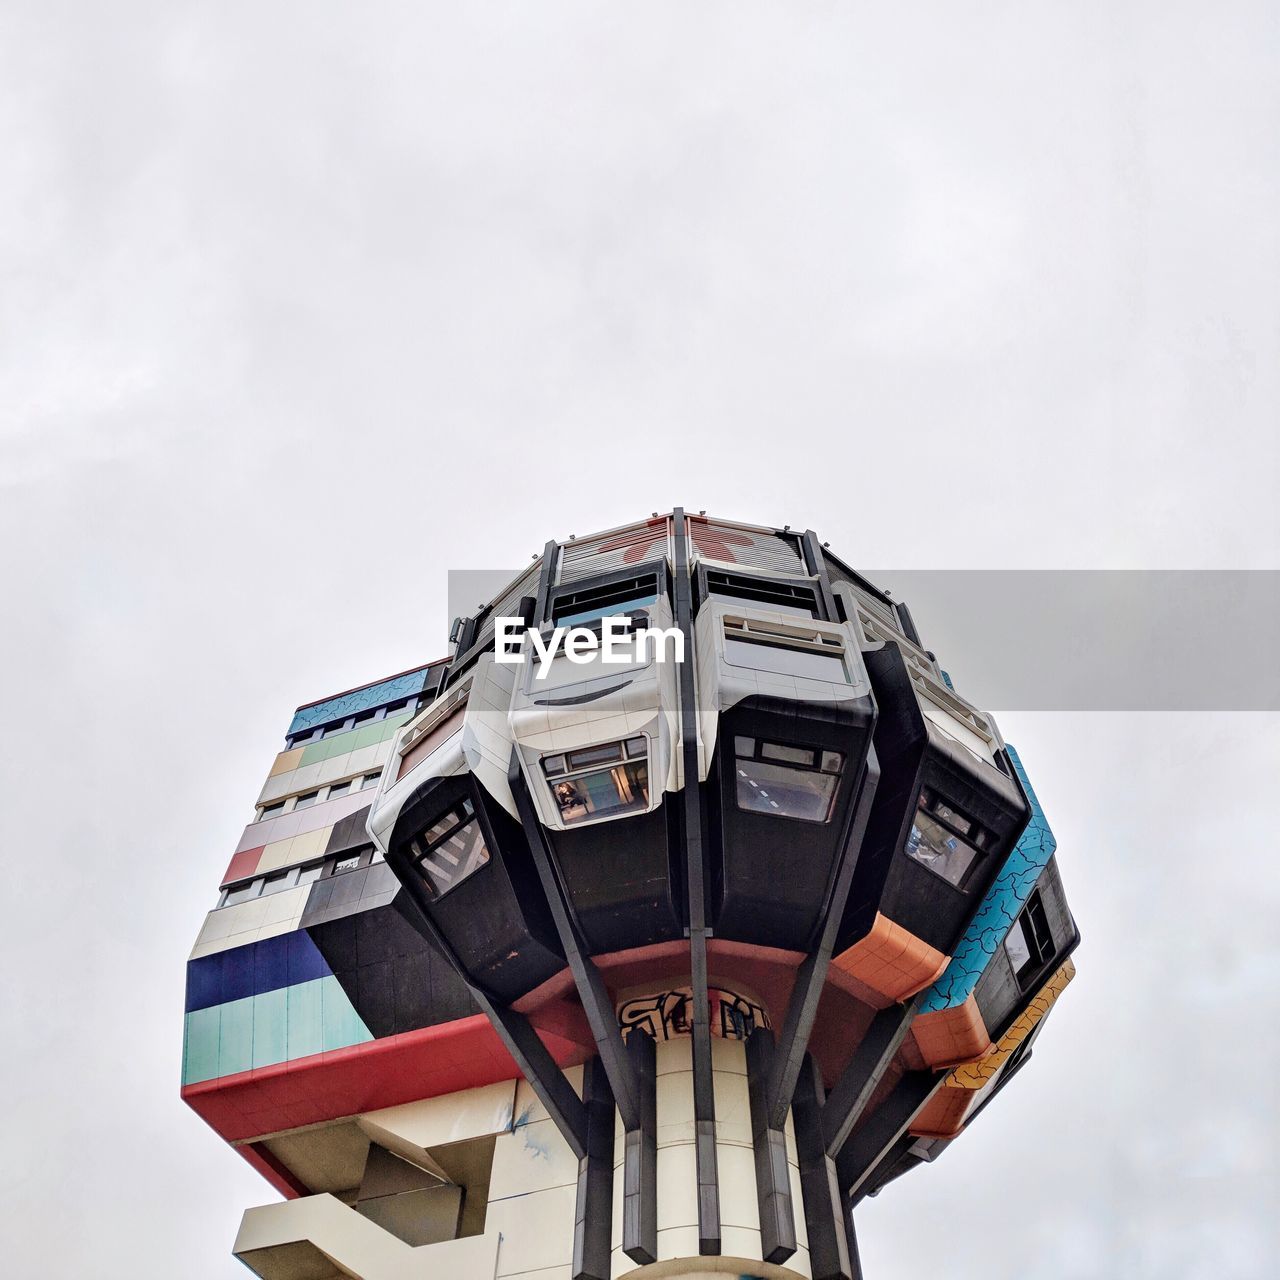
(607, 611)
(307, 874)
(369, 780)
(274, 883)
(270, 811)
(953, 817)
(789, 755)
(588, 756)
(456, 857)
(305, 802)
(784, 660)
(339, 789)
(784, 791)
(242, 893)
(553, 764)
(1016, 946)
(933, 846)
(604, 793)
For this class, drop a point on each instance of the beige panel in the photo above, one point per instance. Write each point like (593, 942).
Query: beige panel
(287, 761)
(303, 848)
(432, 1122)
(360, 1248)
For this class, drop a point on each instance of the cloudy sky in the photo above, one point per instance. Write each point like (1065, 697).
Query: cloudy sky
(302, 306)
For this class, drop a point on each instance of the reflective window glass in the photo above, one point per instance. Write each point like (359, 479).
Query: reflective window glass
(305, 802)
(940, 849)
(603, 793)
(784, 780)
(242, 893)
(785, 660)
(449, 851)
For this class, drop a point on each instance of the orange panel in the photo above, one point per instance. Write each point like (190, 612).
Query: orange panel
(948, 1037)
(892, 961)
(944, 1114)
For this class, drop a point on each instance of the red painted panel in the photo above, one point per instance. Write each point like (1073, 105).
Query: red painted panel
(383, 1073)
(245, 863)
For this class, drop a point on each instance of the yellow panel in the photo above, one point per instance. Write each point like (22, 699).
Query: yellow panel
(975, 1074)
(287, 760)
(284, 853)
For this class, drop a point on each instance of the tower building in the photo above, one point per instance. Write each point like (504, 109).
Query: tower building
(648, 932)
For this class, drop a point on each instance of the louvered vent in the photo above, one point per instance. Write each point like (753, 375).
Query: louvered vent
(617, 549)
(737, 544)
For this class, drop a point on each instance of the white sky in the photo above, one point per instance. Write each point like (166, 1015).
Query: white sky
(303, 305)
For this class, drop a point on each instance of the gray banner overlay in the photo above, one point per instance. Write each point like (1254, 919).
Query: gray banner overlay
(1074, 640)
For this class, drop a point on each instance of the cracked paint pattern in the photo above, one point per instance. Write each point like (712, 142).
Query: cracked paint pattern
(974, 1075)
(999, 908)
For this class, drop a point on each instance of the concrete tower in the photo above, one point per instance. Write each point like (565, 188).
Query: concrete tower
(609, 963)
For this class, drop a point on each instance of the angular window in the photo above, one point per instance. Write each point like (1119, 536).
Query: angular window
(270, 810)
(622, 596)
(812, 655)
(778, 595)
(945, 840)
(449, 850)
(338, 789)
(277, 881)
(307, 874)
(786, 780)
(305, 802)
(369, 780)
(600, 782)
(242, 893)
(1029, 944)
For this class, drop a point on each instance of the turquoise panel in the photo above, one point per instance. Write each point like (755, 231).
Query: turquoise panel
(367, 735)
(270, 1027)
(999, 908)
(349, 704)
(305, 1037)
(341, 1025)
(235, 1039)
(200, 1045)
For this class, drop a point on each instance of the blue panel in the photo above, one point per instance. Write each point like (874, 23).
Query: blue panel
(204, 982)
(999, 908)
(241, 972)
(305, 961)
(348, 704)
(271, 964)
(237, 973)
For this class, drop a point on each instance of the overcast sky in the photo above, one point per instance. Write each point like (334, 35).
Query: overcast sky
(303, 305)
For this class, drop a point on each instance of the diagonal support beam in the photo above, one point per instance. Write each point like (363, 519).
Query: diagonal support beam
(704, 1102)
(848, 1100)
(597, 1005)
(887, 1123)
(802, 1009)
(515, 1031)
